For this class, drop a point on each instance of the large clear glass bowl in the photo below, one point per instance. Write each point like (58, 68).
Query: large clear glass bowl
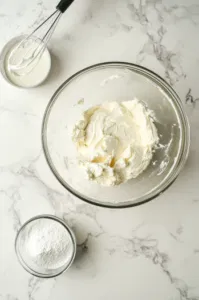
(108, 82)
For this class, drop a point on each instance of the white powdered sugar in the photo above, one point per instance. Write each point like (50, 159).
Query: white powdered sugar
(47, 243)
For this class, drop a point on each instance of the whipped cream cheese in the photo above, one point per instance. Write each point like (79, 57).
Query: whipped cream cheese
(115, 141)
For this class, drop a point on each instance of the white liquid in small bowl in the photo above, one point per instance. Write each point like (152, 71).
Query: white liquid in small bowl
(25, 79)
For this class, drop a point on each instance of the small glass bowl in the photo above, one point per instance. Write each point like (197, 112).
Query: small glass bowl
(3, 56)
(23, 257)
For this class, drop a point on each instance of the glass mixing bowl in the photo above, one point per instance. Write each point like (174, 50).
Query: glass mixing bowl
(119, 82)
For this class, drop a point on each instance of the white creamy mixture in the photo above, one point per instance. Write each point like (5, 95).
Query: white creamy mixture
(115, 141)
(27, 78)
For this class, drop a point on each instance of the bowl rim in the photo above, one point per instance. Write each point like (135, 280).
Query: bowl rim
(166, 87)
(23, 263)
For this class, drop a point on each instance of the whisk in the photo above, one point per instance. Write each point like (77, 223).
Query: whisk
(34, 44)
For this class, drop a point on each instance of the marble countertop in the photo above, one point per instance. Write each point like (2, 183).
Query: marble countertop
(147, 252)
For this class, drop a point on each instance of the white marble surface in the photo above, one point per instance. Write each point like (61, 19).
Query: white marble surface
(147, 252)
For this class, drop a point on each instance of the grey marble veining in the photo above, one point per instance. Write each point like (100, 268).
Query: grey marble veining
(147, 252)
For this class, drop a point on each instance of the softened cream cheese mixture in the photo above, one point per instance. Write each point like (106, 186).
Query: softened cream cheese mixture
(115, 141)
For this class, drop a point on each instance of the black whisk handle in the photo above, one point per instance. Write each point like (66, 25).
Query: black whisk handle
(63, 5)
